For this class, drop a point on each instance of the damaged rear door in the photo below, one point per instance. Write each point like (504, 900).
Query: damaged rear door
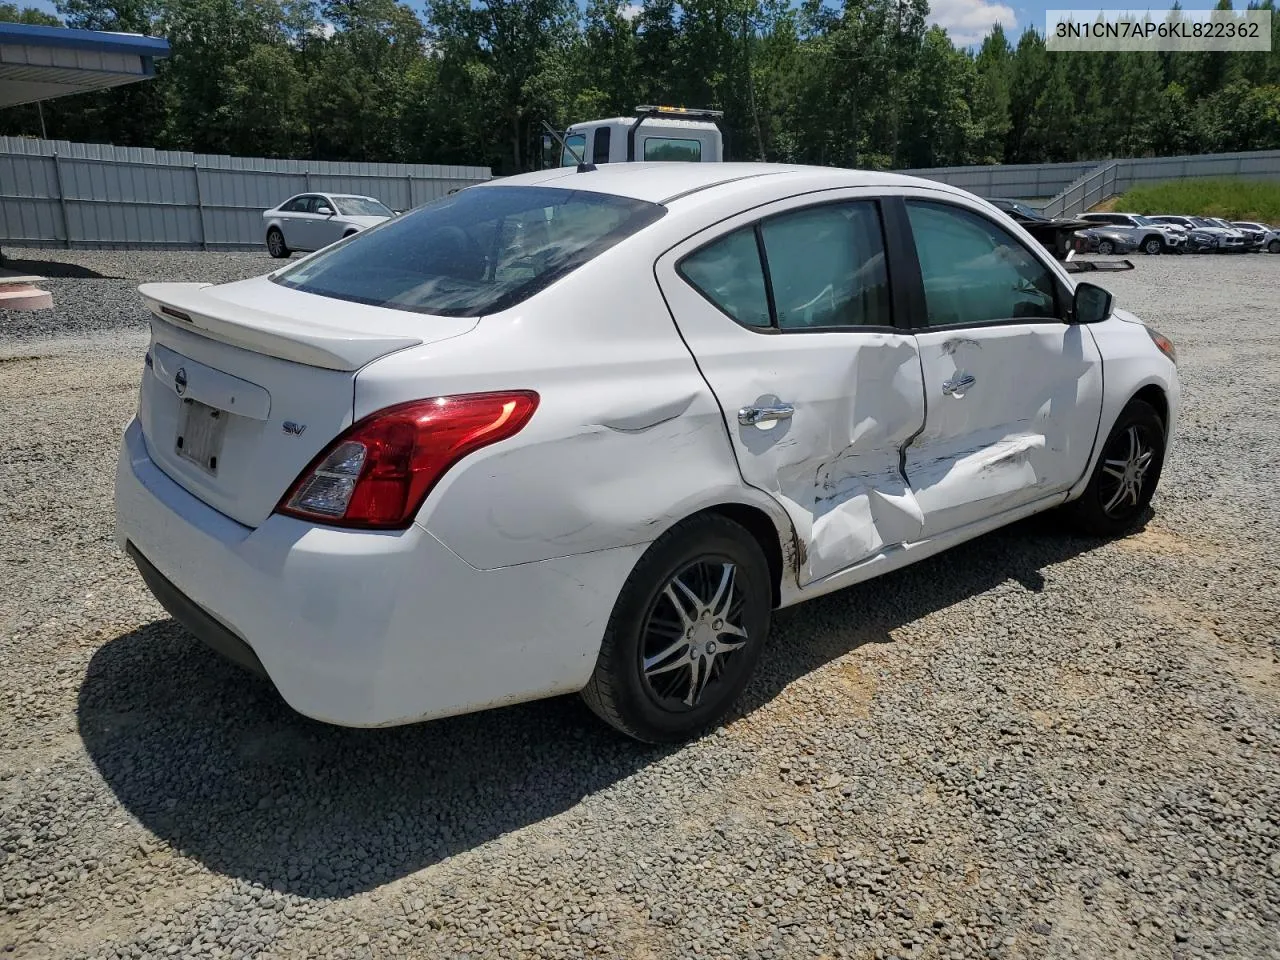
(1013, 392)
(789, 313)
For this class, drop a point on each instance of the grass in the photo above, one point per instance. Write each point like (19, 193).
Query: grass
(1231, 199)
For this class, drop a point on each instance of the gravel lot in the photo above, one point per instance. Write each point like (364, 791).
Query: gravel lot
(1034, 746)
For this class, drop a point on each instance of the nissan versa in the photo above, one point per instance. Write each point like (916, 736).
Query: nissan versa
(584, 430)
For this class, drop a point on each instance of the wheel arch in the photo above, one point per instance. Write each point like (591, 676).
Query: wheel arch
(765, 532)
(1154, 395)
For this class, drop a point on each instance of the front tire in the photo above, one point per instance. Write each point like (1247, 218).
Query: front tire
(685, 634)
(276, 245)
(1152, 246)
(1273, 246)
(1126, 474)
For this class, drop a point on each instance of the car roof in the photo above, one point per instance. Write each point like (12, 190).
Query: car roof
(666, 182)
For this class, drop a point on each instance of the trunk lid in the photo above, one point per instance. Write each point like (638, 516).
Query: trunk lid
(245, 383)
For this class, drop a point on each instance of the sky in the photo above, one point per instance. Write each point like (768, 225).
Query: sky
(967, 21)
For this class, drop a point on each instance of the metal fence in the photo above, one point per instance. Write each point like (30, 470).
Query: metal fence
(1075, 187)
(57, 193)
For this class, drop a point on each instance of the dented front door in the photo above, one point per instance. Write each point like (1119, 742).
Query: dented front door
(819, 399)
(1013, 392)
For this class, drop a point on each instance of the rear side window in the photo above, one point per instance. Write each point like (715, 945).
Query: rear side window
(728, 272)
(672, 149)
(477, 251)
(600, 146)
(825, 267)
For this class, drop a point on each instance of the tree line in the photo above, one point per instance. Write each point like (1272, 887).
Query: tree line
(865, 84)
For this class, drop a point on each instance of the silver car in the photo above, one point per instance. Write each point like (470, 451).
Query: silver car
(1147, 235)
(310, 221)
(1204, 234)
(1270, 240)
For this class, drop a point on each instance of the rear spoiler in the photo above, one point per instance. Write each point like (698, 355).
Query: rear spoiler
(192, 306)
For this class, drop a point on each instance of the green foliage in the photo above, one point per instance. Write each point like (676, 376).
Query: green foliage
(855, 83)
(1250, 200)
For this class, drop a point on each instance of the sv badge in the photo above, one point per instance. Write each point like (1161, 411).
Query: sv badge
(294, 429)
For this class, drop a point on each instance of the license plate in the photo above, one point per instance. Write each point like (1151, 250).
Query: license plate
(200, 434)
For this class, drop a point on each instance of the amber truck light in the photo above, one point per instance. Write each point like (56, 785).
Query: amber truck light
(376, 475)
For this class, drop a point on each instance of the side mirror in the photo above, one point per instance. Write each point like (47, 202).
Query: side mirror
(1091, 303)
(325, 211)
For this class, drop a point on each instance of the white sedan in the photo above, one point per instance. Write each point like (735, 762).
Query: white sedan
(311, 221)
(586, 431)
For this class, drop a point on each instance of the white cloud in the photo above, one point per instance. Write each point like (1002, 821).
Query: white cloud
(630, 11)
(324, 30)
(968, 21)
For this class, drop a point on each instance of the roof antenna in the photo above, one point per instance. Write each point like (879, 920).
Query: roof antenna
(583, 166)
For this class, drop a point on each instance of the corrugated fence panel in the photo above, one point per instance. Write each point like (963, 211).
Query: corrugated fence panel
(99, 195)
(53, 191)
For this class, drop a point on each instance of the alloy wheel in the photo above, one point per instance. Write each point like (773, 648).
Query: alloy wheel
(1126, 462)
(693, 634)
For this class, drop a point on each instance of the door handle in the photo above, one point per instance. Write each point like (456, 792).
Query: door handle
(959, 384)
(749, 416)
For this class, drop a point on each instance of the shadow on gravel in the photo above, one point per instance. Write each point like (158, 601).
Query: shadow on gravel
(210, 759)
(55, 270)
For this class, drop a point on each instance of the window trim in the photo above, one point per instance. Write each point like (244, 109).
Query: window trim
(756, 227)
(917, 319)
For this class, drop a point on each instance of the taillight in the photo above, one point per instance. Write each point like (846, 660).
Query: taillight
(377, 473)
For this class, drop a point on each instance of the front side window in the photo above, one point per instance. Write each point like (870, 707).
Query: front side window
(477, 251)
(360, 207)
(974, 272)
(826, 269)
(575, 151)
(296, 205)
(672, 149)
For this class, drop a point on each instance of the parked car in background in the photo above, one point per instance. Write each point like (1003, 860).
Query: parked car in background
(1204, 235)
(1055, 235)
(1150, 237)
(311, 221)
(1253, 239)
(1107, 240)
(1270, 241)
(443, 466)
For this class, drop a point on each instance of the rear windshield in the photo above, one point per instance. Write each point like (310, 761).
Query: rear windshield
(360, 207)
(478, 251)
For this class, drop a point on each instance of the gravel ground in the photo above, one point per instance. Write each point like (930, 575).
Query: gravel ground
(1034, 746)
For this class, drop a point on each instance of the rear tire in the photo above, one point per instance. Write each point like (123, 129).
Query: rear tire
(685, 634)
(1126, 475)
(1106, 247)
(276, 245)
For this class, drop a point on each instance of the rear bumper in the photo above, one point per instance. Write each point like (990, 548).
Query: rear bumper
(197, 621)
(364, 628)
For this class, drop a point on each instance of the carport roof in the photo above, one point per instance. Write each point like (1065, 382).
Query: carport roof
(40, 63)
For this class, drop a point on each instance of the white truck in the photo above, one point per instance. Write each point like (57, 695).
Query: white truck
(678, 134)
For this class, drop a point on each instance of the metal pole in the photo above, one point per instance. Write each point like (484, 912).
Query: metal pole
(204, 231)
(62, 200)
(40, 110)
(409, 205)
(308, 175)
